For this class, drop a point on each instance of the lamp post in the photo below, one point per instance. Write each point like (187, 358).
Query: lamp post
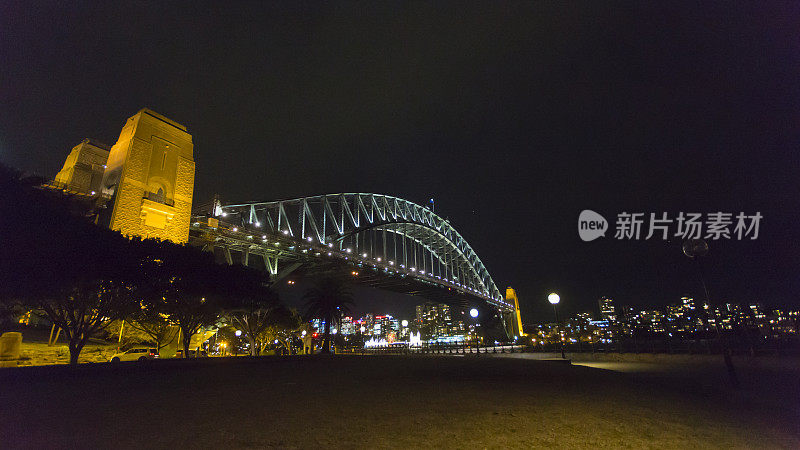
(474, 314)
(553, 298)
(696, 249)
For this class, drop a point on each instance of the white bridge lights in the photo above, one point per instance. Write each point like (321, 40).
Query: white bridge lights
(381, 231)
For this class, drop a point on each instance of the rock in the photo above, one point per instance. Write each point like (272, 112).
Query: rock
(10, 344)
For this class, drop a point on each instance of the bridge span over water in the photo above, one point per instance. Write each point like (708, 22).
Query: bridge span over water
(375, 240)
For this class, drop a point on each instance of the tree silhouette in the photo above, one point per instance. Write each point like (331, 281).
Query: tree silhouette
(258, 306)
(185, 286)
(282, 323)
(154, 325)
(86, 309)
(53, 259)
(328, 300)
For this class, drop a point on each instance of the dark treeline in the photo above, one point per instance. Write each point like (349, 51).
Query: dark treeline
(55, 260)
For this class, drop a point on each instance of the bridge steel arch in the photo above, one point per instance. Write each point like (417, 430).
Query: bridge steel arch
(389, 233)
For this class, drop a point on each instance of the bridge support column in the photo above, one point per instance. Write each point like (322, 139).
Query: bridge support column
(285, 272)
(228, 256)
(272, 265)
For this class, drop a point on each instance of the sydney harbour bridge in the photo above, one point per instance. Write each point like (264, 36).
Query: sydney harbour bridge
(374, 240)
(144, 183)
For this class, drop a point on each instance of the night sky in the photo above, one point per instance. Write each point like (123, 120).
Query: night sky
(513, 116)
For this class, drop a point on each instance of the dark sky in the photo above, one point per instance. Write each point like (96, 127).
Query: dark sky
(514, 116)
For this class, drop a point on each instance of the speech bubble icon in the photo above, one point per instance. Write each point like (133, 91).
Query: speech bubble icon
(591, 225)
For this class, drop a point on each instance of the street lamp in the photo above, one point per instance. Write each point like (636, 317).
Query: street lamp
(474, 314)
(554, 298)
(696, 249)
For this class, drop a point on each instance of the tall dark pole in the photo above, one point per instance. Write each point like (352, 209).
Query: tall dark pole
(558, 326)
(474, 314)
(703, 280)
(694, 249)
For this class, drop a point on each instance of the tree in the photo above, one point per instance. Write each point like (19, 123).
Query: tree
(282, 324)
(8, 313)
(87, 308)
(328, 300)
(100, 288)
(54, 259)
(258, 306)
(189, 289)
(253, 323)
(179, 287)
(130, 335)
(156, 327)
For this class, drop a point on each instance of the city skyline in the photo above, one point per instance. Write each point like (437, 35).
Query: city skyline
(607, 309)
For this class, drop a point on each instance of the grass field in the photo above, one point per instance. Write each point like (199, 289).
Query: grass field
(381, 401)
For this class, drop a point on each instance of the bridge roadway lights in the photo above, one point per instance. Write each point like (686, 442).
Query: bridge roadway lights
(414, 230)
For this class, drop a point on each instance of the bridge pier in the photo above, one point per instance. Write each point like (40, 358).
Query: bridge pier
(285, 272)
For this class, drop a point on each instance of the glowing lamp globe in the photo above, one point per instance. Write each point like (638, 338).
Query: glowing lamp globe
(238, 333)
(473, 312)
(553, 298)
(404, 323)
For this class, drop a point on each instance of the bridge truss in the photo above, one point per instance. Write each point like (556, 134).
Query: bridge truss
(393, 237)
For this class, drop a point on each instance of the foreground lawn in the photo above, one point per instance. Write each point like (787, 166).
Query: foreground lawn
(387, 402)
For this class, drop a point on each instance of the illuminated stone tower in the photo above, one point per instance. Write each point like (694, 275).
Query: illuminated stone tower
(516, 321)
(83, 170)
(150, 178)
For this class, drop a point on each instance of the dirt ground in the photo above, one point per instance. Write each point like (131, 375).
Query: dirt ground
(377, 401)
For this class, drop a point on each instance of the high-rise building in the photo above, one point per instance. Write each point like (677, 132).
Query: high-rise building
(436, 319)
(607, 310)
(384, 325)
(757, 311)
(653, 320)
(348, 326)
(420, 309)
